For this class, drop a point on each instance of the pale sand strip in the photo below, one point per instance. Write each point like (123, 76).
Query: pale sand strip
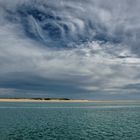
(33, 100)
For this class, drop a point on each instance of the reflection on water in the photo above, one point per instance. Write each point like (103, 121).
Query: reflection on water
(70, 121)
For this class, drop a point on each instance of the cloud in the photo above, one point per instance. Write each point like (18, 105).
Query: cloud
(76, 49)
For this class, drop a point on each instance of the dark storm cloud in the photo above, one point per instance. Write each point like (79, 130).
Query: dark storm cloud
(62, 24)
(70, 48)
(28, 81)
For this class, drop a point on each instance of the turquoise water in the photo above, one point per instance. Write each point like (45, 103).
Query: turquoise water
(69, 121)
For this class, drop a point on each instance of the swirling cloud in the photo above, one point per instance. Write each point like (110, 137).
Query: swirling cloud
(67, 48)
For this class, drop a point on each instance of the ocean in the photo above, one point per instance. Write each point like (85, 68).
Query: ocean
(70, 121)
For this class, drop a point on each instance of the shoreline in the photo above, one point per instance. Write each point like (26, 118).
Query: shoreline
(68, 101)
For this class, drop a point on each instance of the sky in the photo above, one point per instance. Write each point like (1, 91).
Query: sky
(77, 49)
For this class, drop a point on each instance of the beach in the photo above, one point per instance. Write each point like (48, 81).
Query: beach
(33, 100)
(57, 100)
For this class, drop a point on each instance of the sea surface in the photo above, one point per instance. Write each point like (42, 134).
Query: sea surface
(70, 121)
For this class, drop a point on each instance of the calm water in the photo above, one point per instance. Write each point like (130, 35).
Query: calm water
(70, 121)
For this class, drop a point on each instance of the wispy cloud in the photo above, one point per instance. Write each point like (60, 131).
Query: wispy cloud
(71, 48)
